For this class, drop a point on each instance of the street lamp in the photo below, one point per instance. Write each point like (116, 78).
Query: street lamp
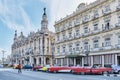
(87, 54)
(3, 56)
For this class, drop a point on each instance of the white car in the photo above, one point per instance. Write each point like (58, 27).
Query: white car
(116, 69)
(1, 66)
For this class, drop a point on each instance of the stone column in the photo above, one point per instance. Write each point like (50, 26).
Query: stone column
(91, 60)
(50, 47)
(41, 46)
(102, 60)
(116, 62)
(82, 61)
(74, 61)
(61, 62)
(67, 62)
(37, 60)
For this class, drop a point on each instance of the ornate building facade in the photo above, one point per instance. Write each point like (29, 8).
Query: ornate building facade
(90, 35)
(37, 48)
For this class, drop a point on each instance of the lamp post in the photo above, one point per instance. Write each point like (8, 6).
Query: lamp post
(87, 54)
(3, 56)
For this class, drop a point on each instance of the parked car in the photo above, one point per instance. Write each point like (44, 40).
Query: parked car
(116, 69)
(1, 66)
(27, 67)
(37, 68)
(56, 69)
(15, 66)
(91, 70)
(45, 68)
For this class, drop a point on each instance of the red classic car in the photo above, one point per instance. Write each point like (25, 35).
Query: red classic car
(36, 68)
(91, 70)
(56, 69)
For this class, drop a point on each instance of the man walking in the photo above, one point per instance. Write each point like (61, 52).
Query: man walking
(19, 68)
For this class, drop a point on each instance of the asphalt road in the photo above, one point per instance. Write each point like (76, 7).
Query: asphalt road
(10, 74)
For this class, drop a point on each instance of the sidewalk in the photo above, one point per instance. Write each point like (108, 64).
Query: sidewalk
(112, 75)
(5, 69)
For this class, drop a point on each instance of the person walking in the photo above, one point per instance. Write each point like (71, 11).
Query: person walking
(19, 68)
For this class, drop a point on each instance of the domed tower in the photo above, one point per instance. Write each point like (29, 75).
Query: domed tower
(44, 21)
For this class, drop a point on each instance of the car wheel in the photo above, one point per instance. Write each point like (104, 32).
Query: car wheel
(72, 71)
(55, 71)
(119, 72)
(82, 73)
(105, 72)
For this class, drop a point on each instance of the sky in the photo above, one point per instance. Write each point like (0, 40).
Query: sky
(25, 16)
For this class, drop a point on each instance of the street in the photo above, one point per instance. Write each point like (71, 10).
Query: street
(11, 74)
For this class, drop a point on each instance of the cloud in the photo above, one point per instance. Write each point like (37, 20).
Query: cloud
(13, 15)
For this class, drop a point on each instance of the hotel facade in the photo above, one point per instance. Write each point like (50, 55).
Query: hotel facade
(90, 35)
(35, 49)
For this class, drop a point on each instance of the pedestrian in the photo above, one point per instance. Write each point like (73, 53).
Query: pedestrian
(19, 68)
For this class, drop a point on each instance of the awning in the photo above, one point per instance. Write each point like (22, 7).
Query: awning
(73, 56)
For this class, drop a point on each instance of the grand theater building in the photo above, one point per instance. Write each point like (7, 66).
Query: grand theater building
(37, 48)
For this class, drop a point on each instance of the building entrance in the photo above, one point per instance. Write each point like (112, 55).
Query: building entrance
(118, 59)
(79, 61)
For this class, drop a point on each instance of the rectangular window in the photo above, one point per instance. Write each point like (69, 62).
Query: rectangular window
(70, 23)
(86, 45)
(107, 42)
(77, 32)
(58, 38)
(77, 46)
(58, 50)
(119, 19)
(119, 40)
(70, 34)
(63, 35)
(96, 13)
(86, 30)
(70, 48)
(95, 44)
(63, 49)
(95, 27)
(107, 8)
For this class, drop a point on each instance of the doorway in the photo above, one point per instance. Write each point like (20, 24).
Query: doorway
(79, 61)
(118, 59)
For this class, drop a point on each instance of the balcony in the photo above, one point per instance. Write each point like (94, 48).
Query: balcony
(117, 46)
(63, 29)
(118, 7)
(70, 26)
(77, 36)
(86, 34)
(108, 47)
(95, 16)
(106, 12)
(76, 24)
(106, 28)
(117, 25)
(95, 31)
(70, 38)
(58, 30)
(95, 49)
(85, 21)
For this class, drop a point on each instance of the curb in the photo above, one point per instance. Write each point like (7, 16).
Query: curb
(112, 75)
